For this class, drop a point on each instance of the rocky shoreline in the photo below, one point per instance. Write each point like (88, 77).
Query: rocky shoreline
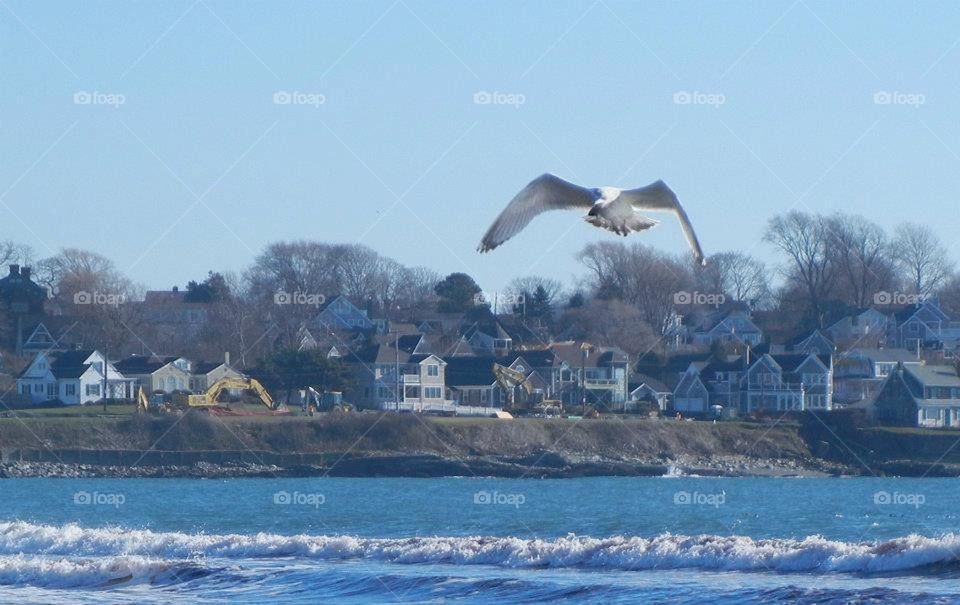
(542, 465)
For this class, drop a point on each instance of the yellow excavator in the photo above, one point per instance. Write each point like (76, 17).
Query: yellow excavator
(508, 378)
(208, 399)
(143, 402)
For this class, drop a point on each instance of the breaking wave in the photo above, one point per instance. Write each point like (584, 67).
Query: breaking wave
(133, 553)
(54, 572)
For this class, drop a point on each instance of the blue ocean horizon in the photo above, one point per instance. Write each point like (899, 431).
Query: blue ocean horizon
(478, 540)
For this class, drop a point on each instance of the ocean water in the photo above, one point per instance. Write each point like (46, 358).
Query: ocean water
(596, 540)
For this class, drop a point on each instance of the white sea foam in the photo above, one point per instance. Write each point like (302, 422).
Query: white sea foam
(667, 551)
(62, 572)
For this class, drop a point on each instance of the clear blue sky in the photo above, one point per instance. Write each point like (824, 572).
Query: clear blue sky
(798, 127)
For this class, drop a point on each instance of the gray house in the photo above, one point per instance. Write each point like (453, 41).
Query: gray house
(919, 396)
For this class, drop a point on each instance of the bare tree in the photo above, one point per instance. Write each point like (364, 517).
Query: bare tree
(921, 257)
(15, 253)
(89, 287)
(738, 276)
(861, 253)
(950, 296)
(74, 270)
(411, 289)
(611, 322)
(236, 323)
(805, 239)
(640, 276)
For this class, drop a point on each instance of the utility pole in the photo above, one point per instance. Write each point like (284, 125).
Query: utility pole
(106, 382)
(396, 391)
(584, 351)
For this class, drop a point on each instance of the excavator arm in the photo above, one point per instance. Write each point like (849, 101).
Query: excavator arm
(508, 378)
(212, 394)
(143, 402)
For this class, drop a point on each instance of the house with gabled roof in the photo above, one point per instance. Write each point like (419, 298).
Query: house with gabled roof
(497, 343)
(730, 326)
(171, 310)
(414, 344)
(73, 378)
(341, 314)
(691, 395)
(859, 373)
(919, 396)
(389, 378)
(471, 381)
(203, 374)
(579, 369)
(788, 382)
(647, 389)
(863, 327)
(709, 382)
(814, 341)
(158, 373)
(925, 326)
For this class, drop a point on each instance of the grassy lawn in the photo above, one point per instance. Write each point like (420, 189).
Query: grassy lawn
(75, 411)
(910, 430)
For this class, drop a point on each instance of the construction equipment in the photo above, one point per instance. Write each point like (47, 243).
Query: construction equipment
(143, 402)
(208, 398)
(332, 403)
(508, 379)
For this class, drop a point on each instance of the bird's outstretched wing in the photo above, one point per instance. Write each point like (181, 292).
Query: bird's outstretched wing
(546, 192)
(658, 197)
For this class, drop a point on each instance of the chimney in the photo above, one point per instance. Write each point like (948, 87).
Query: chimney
(14, 269)
(25, 272)
(226, 357)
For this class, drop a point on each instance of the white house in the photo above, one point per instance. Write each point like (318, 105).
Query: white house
(158, 373)
(72, 377)
(204, 374)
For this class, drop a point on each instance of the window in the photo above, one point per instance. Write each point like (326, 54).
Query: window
(70, 389)
(51, 390)
(93, 390)
(520, 368)
(431, 392)
(483, 396)
(38, 388)
(433, 370)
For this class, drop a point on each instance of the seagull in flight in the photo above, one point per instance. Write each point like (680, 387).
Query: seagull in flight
(617, 210)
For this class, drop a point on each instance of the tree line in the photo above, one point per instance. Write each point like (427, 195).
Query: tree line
(630, 294)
